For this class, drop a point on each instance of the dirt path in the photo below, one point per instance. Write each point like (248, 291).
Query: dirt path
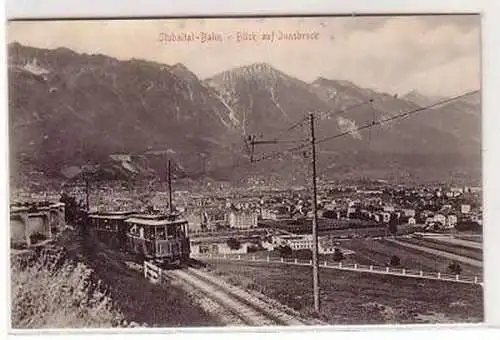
(450, 256)
(458, 241)
(237, 302)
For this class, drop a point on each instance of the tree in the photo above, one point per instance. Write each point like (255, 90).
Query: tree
(233, 244)
(330, 214)
(395, 260)
(455, 268)
(74, 212)
(285, 251)
(338, 255)
(393, 226)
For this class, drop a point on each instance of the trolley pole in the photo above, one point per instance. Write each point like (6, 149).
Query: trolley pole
(87, 192)
(314, 219)
(169, 188)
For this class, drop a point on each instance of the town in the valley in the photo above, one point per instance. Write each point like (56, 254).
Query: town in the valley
(280, 172)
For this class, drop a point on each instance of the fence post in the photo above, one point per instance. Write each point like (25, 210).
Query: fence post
(421, 273)
(475, 279)
(267, 258)
(296, 261)
(282, 260)
(355, 266)
(340, 264)
(253, 258)
(145, 270)
(371, 267)
(325, 264)
(387, 269)
(439, 275)
(239, 257)
(310, 262)
(457, 277)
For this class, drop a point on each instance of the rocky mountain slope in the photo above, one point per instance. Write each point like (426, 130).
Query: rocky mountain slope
(69, 109)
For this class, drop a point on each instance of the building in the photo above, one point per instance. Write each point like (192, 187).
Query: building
(439, 218)
(200, 247)
(451, 221)
(195, 221)
(242, 219)
(35, 218)
(465, 208)
(409, 212)
(386, 217)
(351, 212)
(299, 242)
(295, 242)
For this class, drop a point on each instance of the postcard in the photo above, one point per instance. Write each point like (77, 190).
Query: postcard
(250, 172)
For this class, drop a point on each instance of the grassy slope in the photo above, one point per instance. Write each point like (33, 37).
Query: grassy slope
(137, 299)
(42, 298)
(360, 298)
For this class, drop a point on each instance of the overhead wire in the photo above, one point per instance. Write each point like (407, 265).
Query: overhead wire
(342, 134)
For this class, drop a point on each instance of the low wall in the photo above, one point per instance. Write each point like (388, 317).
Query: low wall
(26, 221)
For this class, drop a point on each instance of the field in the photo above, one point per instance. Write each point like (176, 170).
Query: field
(359, 298)
(379, 252)
(474, 238)
(473, 253)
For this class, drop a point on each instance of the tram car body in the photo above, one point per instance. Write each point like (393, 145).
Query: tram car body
(110, 228)
(162, 238)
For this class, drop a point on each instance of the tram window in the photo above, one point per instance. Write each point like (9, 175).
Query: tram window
(149, 234)
(134, 230)
(171, 231)
(141, 232)
(160, 233)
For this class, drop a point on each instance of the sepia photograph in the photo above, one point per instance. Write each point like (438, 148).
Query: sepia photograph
(245, 172)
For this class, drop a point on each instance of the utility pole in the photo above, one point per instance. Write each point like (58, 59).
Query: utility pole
(314, 219)
(87, 192)
(170, 188)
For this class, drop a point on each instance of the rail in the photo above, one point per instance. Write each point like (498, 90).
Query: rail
(351, 267)
(251, 310)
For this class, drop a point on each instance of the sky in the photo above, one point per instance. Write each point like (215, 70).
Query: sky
(435, 55)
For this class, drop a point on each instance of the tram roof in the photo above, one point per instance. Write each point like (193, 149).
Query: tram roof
(153, 222)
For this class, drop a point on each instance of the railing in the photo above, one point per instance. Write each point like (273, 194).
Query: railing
(350, 266)
(152, 272)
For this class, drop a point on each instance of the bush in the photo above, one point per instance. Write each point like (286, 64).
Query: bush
(233, 244)
(455, 268)
(395, 260)
(285, 251)
(338, 255)
(66, 298)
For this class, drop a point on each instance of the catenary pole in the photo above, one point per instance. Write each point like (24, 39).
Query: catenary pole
(314, 219)
(169, 188)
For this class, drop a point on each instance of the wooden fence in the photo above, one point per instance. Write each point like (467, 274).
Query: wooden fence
(353, 267)
(152, 272)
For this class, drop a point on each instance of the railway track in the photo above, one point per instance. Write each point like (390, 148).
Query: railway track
(251, 310)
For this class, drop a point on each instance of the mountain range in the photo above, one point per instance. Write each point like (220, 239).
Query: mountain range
(126, 118)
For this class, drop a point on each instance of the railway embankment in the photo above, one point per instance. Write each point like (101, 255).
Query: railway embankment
(74, 281)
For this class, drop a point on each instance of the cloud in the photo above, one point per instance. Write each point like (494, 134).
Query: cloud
(390, 54)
